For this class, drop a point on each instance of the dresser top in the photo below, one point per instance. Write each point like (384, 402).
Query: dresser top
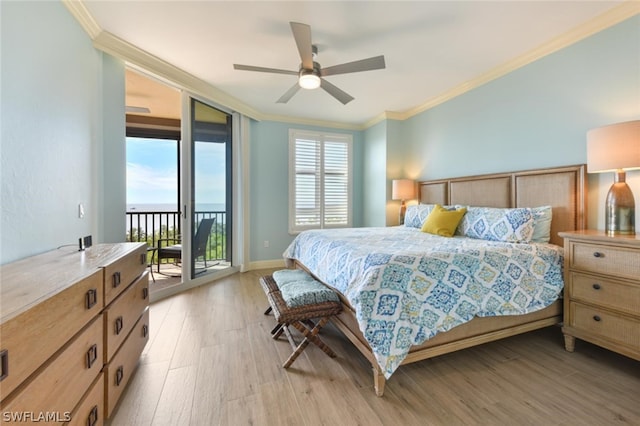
(27, 282)
(602, 237)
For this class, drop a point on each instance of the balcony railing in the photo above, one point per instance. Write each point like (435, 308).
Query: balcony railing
(151, 226)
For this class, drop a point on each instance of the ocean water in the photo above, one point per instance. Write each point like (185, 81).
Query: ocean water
(169, 207)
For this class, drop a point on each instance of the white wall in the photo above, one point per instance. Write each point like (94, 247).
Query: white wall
(52, 130)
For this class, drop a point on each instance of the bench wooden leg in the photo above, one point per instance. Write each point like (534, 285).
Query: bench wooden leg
(278, 329)
(309, 336)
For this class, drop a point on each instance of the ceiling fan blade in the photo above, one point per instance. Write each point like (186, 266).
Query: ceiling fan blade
(289, 94)
(375, 63)
(334, 91)
(302, 34)
(263, 69)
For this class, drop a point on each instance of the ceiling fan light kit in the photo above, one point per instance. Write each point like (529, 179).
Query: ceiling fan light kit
(308, 80)
(311, 73)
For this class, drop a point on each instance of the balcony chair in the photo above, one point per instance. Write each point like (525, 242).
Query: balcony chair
(199, 244)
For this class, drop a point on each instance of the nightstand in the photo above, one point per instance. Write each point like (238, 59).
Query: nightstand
(602, 291)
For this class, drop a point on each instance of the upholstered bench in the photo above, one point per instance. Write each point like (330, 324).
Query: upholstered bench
(295, 299)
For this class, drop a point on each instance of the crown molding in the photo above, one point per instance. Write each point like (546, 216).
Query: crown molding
(311, 122)
(171, 74)
(84, 18)
(612, 17)
(176, 77)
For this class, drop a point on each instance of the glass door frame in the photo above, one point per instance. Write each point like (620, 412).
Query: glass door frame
(187, 193)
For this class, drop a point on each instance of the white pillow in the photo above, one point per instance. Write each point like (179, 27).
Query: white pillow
(541, 224)
(497, 224)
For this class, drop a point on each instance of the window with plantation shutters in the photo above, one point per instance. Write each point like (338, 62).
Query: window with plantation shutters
(319, 180)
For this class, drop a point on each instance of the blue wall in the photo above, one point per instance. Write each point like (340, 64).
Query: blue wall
(269, 186)
(54, 123)
(536, 116)
(62, 133)
(375, 174)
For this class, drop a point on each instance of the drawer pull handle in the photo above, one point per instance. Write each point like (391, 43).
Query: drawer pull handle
(91, 298)
(143, 258)
(119, 375)
(597, 318)
(92, 355)
(116, 279)
(92, 420)
(145, 292)
(597, 286)
(145, 330)
(4, 364)
(118, 324)
(598, 254)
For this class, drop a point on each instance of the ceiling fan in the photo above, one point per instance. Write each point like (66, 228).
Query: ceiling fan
(310, 73)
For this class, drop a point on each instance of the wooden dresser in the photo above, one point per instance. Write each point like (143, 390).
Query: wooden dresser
(602, 291)
(73, 326)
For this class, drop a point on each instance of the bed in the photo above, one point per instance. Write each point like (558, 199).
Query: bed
(447, 327)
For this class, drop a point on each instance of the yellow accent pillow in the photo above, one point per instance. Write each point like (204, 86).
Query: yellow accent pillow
(443, 222)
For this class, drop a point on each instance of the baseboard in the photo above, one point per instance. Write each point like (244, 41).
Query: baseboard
(265, 264)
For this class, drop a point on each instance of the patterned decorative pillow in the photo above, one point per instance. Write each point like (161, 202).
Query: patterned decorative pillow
(416, 214)
(495, 224)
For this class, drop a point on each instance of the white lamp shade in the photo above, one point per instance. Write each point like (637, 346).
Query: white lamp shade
(614, 147)
(403, 189)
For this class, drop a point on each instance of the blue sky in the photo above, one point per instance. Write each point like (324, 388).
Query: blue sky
(152, 172)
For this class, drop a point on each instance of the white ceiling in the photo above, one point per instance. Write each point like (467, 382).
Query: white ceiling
(430, 47)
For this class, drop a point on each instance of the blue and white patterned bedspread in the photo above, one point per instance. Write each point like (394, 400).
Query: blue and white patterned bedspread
(406, 285)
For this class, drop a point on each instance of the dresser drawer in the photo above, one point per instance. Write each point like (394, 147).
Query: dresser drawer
(617, 295)
(119, 274)
(606, 325)
(607, 260)
(119, 370)
(62, 383)
(32, 337)
(123, 313)
(90, 411)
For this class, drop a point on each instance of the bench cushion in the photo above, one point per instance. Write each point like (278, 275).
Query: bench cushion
(303, 293)
(299, 289)
(285, 276)
(288, 314)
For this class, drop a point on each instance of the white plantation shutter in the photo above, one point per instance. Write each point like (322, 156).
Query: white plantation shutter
(320, 180)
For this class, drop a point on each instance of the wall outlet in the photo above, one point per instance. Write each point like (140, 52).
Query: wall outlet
(266, 244)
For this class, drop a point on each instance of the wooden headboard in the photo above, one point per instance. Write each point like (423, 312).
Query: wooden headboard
(562, 188)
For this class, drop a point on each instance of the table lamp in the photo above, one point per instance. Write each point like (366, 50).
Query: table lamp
(616, 148)
(403, 189)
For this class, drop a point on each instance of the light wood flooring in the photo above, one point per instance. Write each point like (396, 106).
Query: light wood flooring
(211, 361)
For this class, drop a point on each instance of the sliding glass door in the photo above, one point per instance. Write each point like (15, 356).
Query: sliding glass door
(210, 195)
